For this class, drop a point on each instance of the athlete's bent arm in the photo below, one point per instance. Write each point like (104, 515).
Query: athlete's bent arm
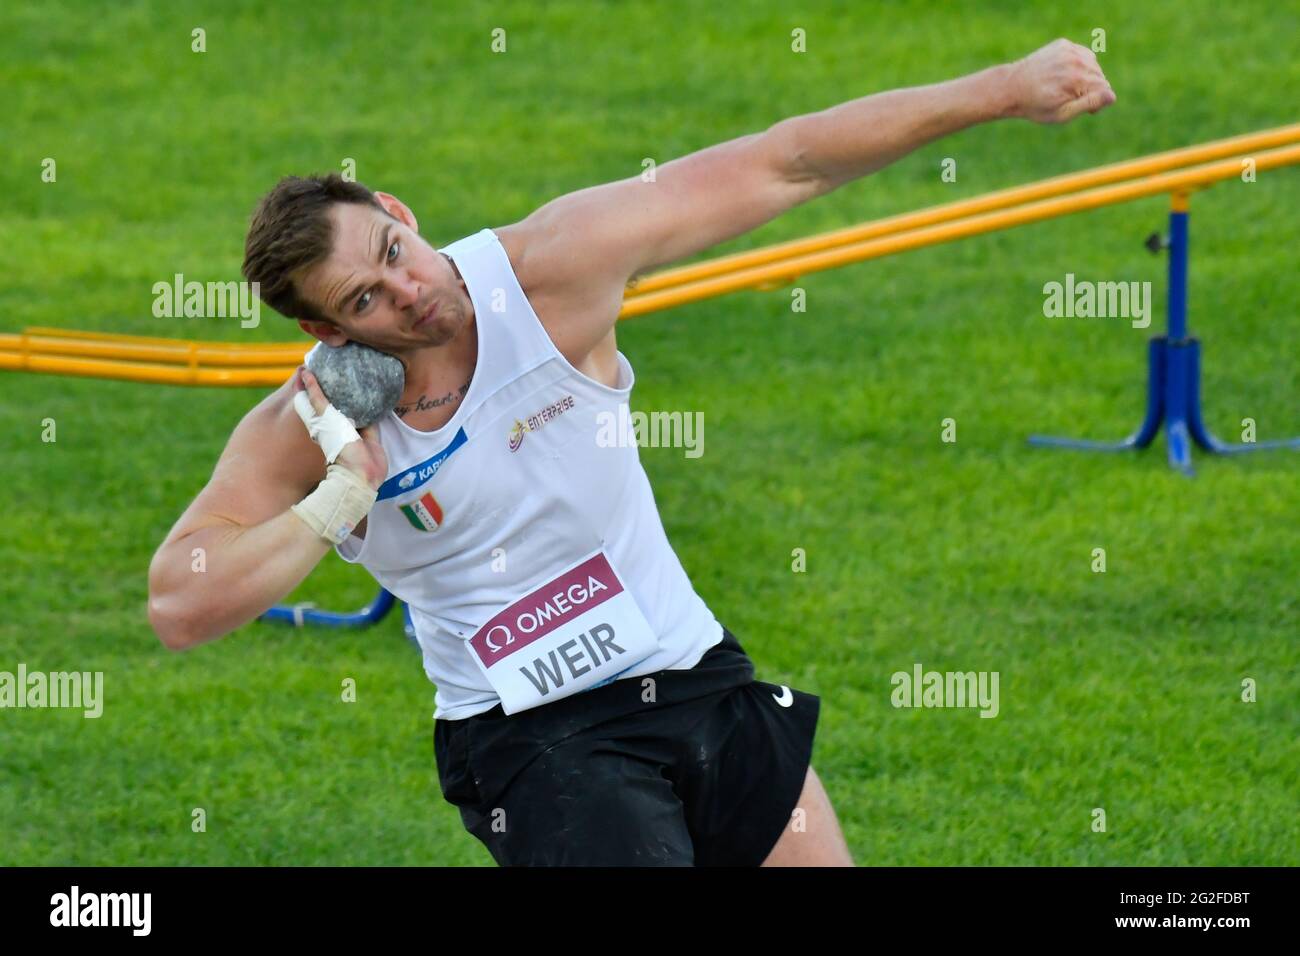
(238, 548)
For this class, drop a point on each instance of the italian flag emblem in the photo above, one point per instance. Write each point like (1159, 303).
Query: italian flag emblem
(424, 514)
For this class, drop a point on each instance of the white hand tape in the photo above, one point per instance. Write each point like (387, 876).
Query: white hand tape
(331, 429)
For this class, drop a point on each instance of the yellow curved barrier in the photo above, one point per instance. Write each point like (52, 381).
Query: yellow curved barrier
(187, 362)
(275, 354)
(144, 371)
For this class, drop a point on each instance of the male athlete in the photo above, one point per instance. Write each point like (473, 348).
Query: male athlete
(590, 707)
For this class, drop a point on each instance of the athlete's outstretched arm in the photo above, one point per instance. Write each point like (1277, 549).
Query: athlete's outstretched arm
(611, 232)
(1052, 85)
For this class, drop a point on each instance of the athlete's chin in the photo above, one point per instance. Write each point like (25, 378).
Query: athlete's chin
(442, 329)
(437, 332)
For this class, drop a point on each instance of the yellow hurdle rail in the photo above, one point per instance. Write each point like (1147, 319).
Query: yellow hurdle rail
(175, 352)
(154, 372)
(188, 362)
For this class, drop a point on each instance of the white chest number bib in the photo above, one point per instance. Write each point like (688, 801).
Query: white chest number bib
(576, 631)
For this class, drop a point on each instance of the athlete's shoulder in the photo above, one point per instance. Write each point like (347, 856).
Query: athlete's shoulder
(542, 266)
(515, 239)
(579, 316)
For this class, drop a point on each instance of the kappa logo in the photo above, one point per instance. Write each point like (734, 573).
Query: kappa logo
(422, 472)
(537, 420)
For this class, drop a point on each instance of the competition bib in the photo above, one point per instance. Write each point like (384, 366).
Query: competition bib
(576, 631)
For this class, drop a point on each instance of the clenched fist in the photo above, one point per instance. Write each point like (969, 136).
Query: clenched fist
(1056, 83)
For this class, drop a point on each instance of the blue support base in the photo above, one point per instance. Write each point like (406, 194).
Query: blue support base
(1173, 375)
(305, 613)
(1174, 400)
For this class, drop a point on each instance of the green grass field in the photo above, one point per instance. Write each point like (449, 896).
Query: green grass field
(1118, 690)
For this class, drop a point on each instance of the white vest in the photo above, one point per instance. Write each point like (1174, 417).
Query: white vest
(513, 490)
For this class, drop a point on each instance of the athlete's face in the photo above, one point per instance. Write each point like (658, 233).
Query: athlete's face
(383, 285)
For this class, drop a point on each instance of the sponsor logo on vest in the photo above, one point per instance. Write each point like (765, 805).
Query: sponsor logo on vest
(537, 420)
(537, 614)
(573, 594)
(424, 471)
(424, 514)
(555, 607)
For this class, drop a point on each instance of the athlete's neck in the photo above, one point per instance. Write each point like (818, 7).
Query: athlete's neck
(436, 369)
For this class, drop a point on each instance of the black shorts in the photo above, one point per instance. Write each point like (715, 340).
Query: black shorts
(707, 773)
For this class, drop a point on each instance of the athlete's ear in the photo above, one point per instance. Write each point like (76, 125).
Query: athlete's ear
(328, 333)
(398, 210)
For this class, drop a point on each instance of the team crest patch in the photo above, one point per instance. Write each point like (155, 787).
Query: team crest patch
(425, 514)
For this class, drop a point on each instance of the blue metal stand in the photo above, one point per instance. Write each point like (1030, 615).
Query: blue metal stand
(305, 613)
(1173, 376)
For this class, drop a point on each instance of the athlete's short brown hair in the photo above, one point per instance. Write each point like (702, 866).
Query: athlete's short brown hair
(291, 230)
